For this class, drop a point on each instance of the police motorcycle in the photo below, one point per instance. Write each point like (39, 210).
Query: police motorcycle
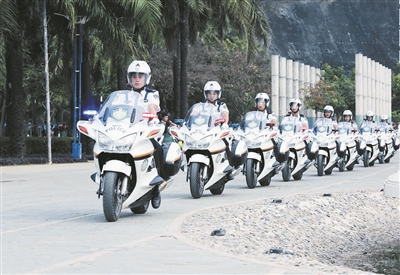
(124, 159)
(301, 151)
(330, 153)
(265, 157)
(354, 146)
(205, 143)
(370, 136)
(388, 144)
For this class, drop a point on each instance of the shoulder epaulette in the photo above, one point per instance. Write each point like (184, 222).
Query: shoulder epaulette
(148, 90)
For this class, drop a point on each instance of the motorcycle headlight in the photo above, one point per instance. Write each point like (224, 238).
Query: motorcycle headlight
(255, 143)
(122, 145)
(198, 144)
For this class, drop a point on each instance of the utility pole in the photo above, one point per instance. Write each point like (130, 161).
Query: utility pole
(46, 73)
(78, 42)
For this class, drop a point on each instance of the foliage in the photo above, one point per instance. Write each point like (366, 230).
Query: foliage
(396, 94)
(335, 88)
(38, 145)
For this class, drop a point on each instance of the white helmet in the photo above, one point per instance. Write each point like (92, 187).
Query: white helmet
(139, 66)
(348, 113)
(384, 117)
(212, 86)
(329, 108)
(369, 113)
(263, 96)
(295, 100)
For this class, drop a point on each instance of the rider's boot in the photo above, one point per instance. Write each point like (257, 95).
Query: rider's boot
(156, 197)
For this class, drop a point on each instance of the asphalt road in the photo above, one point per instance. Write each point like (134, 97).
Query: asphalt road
(52, 222)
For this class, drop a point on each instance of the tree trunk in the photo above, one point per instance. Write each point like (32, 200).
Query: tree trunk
(121, 76)
(177, 73)
(15, 113)
(184, 39)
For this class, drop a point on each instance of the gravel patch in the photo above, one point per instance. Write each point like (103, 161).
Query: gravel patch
(322, 232)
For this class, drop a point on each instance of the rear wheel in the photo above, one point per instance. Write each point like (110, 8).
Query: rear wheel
(265, 182)
(141, 209)
(112, 197)
(320, 164)
(387, 160)
(218, 191)
(298, 176)
(251, 176)
(196, 180)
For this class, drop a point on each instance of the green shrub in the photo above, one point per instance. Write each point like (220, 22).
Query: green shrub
(38, 145)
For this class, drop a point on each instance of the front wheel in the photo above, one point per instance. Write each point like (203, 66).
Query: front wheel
(196, 180)
(341, 165)
(251, 176)
(287, 170)
(320, 165)
(366, 158)
(112, 197)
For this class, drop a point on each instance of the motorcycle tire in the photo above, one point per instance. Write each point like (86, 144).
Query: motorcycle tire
(112, 197)
(298, 176)
(366, 158)
(341, 165)
(218, 191)
(320, 165)
(141, 209)
(196, 182)
(387, 160)
(266, 182)
(350, 167)
(251, 176)
(372, 163)
(287, 171)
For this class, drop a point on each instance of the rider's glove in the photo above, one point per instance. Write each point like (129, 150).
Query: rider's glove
(225, 126)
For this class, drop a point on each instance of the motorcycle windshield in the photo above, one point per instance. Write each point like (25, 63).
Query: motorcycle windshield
(254, 121)
(288, 126)
(323, 126)
(123, 106)
(203, 115)
(344, 128)
(366, 127)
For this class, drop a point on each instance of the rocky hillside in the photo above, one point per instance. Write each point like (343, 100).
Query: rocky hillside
(333, 31)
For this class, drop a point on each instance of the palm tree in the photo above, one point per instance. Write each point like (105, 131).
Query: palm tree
(188, 19)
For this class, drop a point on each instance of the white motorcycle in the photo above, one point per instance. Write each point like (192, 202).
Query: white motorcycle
(204, 146)
(329, 154)
(354, 147)
(388, 145)
(265, 157)
(370, 137)
(126, 169)
(301, 152)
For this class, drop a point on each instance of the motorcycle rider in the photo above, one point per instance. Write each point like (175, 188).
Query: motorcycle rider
(369, 116)
(384, 123)
(301, 120)
(212, 94)
(261, 105)
(329, 113)
(347, 116)
(138, 75)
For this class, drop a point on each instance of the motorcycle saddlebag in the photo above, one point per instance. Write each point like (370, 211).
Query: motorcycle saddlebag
(172, 159)
(281, 153)
(396, 143)
(312, 150)
(239, 152)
